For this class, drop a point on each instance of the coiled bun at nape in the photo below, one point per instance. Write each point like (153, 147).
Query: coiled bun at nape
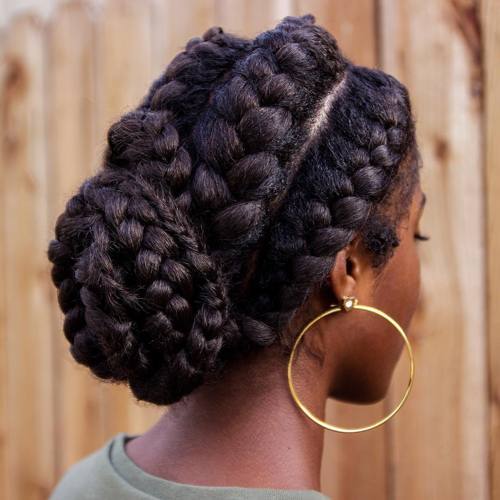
(143, 302)
(148, 254)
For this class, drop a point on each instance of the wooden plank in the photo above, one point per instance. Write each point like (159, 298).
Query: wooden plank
(123, 75)
(354, 465)
(491, 46)
(4, 452)
(72, 152)
(29, 380)
(173, 23)
(439, 440)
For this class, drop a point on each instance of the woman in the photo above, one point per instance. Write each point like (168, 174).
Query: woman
(257, 184)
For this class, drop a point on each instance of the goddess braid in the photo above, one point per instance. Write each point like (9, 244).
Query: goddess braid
(250, 142)
(346, 180)
(250, 139)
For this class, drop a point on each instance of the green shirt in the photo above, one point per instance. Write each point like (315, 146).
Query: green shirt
(109, 473)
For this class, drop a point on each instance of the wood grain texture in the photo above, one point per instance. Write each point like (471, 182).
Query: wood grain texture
(28, 436)
(439, 440)
(71, 121)
(491, 46)
(354, 465)
(3, 285)
(123, 74)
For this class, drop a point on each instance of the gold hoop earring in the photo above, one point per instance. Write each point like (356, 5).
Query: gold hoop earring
(347, 305)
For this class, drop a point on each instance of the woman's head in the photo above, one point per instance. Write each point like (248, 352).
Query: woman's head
(257, 181)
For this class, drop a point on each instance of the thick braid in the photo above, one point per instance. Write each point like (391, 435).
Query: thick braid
(176, 96)
(342, 184)
(252, 138)
(142, 301)
(258, 124)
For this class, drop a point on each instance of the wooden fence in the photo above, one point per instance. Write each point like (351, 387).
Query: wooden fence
(65, 79)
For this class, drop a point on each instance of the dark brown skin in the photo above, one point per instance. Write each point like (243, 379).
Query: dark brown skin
(246, 430)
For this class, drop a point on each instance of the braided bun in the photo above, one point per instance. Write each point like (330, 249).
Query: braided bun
(143, 302)
(221, 204)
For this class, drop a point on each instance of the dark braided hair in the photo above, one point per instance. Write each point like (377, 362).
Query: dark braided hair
(222, 202)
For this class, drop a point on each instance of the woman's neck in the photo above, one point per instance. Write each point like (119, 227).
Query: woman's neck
(244, 430)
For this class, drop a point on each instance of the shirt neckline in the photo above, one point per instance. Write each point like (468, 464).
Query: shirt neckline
(166, 489)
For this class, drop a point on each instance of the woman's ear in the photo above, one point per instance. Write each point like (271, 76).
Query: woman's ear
(347, 272)
(352, 274)
(342, 281)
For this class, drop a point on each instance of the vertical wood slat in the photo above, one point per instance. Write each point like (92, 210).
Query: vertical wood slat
(491, 45)
(3, 286)
(173, 23)
(354, 465)
(123, 57)
(439, 441)
(71, 104)
(29, 386)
